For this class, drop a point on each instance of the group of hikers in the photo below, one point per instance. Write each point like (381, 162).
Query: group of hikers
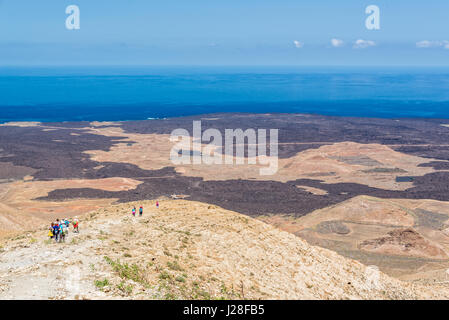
(59, 229)
(133, 211)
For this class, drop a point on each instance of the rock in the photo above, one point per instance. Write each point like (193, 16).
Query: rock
(333, 226)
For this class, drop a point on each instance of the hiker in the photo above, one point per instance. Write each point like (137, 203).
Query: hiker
(62, 231)
(56, 230)
(140, 211)
(50, 231)
(75, 223)
(134, 211)
(66, 225)
(157, 204)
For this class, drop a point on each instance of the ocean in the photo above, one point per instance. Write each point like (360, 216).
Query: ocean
(133, 93)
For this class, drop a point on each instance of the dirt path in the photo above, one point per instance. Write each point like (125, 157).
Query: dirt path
(43, 269)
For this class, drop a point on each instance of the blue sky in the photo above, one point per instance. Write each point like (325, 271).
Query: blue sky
(226, 32)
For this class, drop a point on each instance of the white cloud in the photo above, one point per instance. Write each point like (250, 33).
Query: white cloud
(362, 44)
(298, 44)
(433, 44)
(427, 44)
(337, 43)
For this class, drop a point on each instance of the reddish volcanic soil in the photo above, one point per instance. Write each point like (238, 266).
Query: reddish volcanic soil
(406, 242)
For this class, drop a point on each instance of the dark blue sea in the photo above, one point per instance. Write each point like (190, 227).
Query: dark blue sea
(131, 93)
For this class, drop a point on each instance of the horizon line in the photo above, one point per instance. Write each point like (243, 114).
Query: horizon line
(216, 66)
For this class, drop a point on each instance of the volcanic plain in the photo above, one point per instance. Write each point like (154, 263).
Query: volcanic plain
(373, 190)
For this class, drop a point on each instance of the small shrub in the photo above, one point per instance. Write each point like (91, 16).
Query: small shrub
(167, 253)
(170, 296)
(125, 271)
(127, 289)
(174, 266)
(164, 275)
(101, 284)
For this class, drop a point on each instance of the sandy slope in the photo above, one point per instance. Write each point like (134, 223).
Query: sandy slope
(375, 165)
(186, 250)
(19, 209)
(405, 238)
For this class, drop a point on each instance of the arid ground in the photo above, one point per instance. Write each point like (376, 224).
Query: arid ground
(373, 190)
(187, 250)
